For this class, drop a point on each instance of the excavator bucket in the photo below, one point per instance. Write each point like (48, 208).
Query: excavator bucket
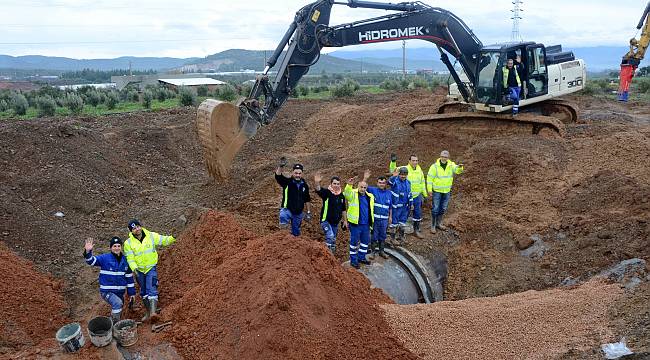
(223, 128)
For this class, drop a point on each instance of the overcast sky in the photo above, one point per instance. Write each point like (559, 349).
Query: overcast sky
(112, 28)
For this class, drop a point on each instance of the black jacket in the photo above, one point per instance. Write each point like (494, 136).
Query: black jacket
(335, 206)
(294, 194)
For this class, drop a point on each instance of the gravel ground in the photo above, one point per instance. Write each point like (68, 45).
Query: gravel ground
(528, 325)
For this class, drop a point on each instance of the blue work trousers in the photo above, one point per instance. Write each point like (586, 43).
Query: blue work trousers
(513, 94)
(115, 301)
(148, 284)
(379, 230)
(286, 217)
(330, 234)
(417, 208)
(440, 203)
(359, 242)
(400, 215)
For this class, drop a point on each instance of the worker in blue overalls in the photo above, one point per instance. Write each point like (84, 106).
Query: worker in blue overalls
(402, 203)
(383, 204)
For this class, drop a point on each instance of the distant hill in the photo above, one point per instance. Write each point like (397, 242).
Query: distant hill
(416, 58)
(597, 58)
(32, 62)
(239, 59)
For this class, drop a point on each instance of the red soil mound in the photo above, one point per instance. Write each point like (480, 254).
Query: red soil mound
(271, 297)
(32, 306)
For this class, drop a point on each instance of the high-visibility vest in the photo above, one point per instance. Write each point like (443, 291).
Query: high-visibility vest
(415, 177)
(142, 255)
(439, 179)
(506, 72)
(352, 198)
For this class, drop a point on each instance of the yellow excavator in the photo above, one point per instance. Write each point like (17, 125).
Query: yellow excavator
(546, 73)
(633, 58)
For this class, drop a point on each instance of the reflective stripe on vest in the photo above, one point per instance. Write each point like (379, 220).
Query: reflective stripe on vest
(439, 179)
(327, 203)
(506, 71)
(286, 196)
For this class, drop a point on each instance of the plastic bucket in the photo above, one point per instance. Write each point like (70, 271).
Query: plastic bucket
(70, 337)
(126, 332)
(99, 331)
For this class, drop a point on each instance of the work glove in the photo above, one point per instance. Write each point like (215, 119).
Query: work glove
(283, 162)
(393, 157)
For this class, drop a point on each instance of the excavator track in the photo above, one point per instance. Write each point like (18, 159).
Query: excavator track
(222, 128)
(562, 110)
(482, 121)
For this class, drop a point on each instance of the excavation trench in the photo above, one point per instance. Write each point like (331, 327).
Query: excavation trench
(409, 278)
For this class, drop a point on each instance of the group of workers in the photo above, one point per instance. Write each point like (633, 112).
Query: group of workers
(137, 256)
(371, 213)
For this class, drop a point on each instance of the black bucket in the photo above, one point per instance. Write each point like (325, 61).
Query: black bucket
(100, 331)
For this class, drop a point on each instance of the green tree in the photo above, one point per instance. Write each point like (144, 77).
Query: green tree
(187, 97)
(147, 97)
(19, 104)
(93, 98)
(4, 106)
(202, 90)
(46, 106)
(112, 98)
(75, 103)
(227, 93)
(345, 88)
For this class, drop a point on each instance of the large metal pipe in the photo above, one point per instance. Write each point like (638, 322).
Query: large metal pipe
(408, 278)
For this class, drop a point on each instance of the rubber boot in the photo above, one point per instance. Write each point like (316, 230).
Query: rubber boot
(381, 250)
(400, 236)
(153, 303)
(439, 221)
(392, 236)
(416, 227)
(434, 223)
(145, 302)
(372, 250)
(115, 317)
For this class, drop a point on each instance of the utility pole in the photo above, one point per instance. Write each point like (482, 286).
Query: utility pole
(404, 58)
(515, 36)
(130, 71)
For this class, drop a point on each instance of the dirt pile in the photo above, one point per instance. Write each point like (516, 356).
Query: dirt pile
(531, 325)
(32, 307)
(270, 297)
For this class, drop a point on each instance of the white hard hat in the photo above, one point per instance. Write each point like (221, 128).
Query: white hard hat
(444, 153)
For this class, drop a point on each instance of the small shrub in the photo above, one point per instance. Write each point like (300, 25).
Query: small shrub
(161, 94)
(643, 85)
(202, 90)
(147, 98)
(187, 97)
(75, 103)
(4, 106)
(133, 96)
(226, 93)
(345, 89)
(19, 104)
(93, 98)
(112, 98)
(304, 90)
(46, 106)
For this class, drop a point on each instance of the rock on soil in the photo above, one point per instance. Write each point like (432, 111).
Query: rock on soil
(530, 325)
(32, 307)
(233, 295)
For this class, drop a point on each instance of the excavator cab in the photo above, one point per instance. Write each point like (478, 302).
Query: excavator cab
(530, 58)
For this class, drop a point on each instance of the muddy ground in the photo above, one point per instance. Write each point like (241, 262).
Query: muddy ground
(583, 198)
